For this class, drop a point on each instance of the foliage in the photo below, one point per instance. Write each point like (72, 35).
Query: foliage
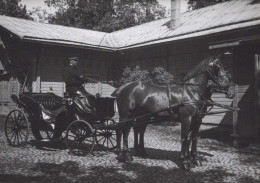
(196, 4)
(134, 74)
(39, 14)
(157, 75)
(13, 8)
(105, 15)
(160, 75)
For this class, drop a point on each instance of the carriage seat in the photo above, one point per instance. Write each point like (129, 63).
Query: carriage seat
(53, 113)
(48, 100)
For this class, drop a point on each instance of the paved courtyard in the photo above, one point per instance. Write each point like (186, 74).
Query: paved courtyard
(47, 163)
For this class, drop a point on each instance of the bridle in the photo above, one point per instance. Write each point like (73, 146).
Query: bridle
(218, 86)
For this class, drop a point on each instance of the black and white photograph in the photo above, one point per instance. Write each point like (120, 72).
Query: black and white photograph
(129, 91)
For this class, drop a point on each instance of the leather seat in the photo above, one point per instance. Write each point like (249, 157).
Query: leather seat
(48, 100)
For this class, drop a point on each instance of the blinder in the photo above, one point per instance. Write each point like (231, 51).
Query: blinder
(219, 80)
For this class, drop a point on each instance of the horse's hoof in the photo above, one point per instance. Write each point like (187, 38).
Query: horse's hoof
(186, 167)
(143, 154)
(117, 151)
(137, 153)
(128, 157)
(120, 160)
(120, 157)
(197, 162)
(192, 164)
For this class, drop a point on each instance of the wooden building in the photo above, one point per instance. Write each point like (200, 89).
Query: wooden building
(231, 28)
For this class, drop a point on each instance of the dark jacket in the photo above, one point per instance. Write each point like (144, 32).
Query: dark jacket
(73, 77)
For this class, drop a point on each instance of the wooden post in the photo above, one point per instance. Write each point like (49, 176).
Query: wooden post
(38, 76)
(235, 100)
(36, 84)
(257, 96)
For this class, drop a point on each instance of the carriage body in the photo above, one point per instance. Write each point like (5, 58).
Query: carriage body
(40, 111)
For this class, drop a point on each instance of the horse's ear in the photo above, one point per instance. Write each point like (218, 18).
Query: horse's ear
(212, 63)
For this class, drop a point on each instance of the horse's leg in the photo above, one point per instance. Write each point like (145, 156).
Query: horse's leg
(136, 143)
(194, 136)
(185, 141)
(124, 155)
(142, 150)
(118, 140)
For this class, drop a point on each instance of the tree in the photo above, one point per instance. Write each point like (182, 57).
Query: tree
(105, 15)
(196, 4)
(39, 14)
(13, 8)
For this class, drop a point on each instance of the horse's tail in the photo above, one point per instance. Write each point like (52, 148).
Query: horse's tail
(118, 90)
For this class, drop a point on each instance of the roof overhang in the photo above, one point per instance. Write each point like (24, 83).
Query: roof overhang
(65, 43)
(208, 32)
(233, 43)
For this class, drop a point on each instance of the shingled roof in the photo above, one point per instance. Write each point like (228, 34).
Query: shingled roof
(43, 32)
(226, 16)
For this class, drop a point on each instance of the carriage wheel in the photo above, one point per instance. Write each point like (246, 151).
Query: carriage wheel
(16, 128)
(106, 137)
(80, 138)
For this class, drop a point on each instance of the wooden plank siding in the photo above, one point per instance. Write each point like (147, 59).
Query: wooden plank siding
(8, 88)
(104, 90)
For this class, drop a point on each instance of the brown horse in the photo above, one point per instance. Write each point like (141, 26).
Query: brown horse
(138, 98)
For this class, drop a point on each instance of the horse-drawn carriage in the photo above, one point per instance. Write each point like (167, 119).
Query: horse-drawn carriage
(40, 112)
(139, 103)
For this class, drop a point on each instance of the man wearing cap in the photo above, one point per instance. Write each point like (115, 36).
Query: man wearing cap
(74, 80)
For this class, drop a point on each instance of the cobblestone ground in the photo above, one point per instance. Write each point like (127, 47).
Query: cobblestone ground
(221, 163)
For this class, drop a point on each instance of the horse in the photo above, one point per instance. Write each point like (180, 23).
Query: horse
(139, 98)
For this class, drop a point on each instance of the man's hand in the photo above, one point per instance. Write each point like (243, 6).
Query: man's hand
(87, 79)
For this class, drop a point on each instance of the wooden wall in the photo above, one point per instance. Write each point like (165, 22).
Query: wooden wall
(7, 88)
(95, 64)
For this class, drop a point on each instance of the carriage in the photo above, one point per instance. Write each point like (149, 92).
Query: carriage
(139, 103)
(38, 113)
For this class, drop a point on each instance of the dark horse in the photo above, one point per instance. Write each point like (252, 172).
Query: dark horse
(139, 97)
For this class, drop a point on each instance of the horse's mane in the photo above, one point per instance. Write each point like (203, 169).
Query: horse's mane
(118, 90)
(200, 67)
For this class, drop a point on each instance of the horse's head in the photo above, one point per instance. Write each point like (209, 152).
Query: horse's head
(221, 78)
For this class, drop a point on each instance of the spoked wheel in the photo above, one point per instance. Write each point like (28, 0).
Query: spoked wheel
(80, 138)
(16, 128)
(106, 137)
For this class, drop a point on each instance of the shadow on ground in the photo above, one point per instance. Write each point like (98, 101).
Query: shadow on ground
(71, 171)
(48, 145)
(174, 156)
(220, 134)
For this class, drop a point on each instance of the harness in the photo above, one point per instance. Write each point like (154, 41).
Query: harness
(205, 102)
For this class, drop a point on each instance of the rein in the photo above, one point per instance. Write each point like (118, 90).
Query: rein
(205, 102)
